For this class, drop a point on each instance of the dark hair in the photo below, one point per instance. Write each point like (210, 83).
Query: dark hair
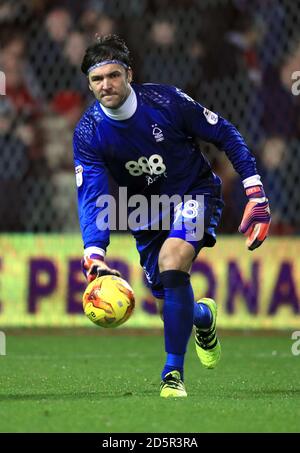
(109, 47)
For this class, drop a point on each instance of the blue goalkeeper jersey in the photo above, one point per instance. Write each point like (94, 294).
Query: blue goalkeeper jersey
(154, 152)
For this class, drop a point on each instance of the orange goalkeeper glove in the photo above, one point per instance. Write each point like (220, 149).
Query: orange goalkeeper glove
(257, 218)
(93, 266)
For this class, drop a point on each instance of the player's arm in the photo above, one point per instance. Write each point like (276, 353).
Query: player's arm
(199, 121)
(92, 188)
(256, 219)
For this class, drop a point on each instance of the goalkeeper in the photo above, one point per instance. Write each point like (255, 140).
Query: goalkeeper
(145, 137)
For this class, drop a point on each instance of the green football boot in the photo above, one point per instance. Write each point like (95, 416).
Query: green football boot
(172, 386)
(208, 347)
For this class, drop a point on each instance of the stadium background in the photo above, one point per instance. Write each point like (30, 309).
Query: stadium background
(234, 57)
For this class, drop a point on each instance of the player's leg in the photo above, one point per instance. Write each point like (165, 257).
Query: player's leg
(149, 245)
(207, 344)
(174, 262)
(208, 347)
(208, 211)
(203, 316)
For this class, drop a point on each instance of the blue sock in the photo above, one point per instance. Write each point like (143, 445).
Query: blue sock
(173, 362)
(202, 316)
(178, 317)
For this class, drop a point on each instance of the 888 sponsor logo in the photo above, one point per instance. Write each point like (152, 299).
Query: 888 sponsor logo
(153, 165)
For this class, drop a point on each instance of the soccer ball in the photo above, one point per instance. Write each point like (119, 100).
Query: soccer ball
(108, 301)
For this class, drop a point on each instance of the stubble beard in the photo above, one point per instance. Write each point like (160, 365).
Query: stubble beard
(116, 102)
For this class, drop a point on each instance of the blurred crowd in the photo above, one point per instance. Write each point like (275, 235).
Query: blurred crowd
(235, 57)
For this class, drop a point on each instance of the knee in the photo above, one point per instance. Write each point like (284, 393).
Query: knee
(176, 254)
(168, 261)
(174, 260)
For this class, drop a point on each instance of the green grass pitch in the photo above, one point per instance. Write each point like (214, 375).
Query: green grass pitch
(80, 382)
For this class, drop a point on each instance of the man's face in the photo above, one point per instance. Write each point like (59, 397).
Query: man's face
(110, 84)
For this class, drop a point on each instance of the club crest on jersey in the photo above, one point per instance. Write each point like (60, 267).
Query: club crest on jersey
(79, 175)
(157, 133)
(211, 117)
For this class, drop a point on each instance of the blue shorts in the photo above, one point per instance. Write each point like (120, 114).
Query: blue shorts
(149, 242)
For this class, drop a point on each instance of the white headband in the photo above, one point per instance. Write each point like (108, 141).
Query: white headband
(104, 62)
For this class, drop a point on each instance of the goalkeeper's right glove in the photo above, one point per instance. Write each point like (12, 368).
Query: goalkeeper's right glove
(93, 266)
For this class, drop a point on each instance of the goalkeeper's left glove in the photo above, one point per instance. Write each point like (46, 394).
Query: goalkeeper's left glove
(257, 218)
